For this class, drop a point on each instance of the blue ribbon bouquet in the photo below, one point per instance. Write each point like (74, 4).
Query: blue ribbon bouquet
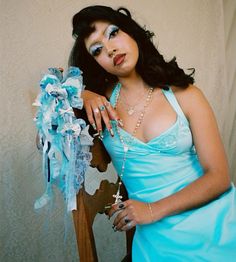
(64, 139)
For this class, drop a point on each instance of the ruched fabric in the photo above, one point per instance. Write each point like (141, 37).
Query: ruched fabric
(159, 168)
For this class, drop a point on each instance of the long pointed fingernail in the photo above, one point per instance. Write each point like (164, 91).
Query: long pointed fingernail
(96, 134)
(94, 126)
(100, 134)
(114, 228)
(120, 122)
(107, 206)
(111, 132)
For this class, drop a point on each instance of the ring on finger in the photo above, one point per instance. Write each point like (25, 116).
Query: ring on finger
(126, 220)
(96, 110)
(102, 108)
(129, 225)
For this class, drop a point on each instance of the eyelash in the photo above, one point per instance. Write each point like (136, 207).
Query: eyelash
(113, 33)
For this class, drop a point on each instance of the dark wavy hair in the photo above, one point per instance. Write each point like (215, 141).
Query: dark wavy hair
(151, 66)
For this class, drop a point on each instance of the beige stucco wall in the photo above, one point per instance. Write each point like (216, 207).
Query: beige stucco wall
(37, 34)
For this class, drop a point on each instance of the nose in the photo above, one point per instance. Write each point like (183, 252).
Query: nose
(111, 50)
(110, 47)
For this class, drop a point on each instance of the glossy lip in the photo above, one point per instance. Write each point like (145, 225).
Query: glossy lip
(118, 59)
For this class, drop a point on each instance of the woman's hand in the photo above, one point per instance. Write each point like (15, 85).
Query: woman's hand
(130, 214)
(99, 109)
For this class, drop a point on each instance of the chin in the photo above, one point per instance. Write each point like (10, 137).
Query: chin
(126, 71)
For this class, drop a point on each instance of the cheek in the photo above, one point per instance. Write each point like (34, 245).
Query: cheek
(101, 60)
(135, 49)
(105, 63)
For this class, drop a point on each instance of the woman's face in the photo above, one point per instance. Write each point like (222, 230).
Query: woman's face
(113, 49)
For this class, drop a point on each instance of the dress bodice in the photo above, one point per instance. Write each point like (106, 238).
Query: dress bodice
(151, 166)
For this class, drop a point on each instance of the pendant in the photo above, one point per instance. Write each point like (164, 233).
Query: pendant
(131, 111)
(117, 197)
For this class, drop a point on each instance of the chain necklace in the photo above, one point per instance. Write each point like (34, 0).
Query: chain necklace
(118, 196)
(131, 108)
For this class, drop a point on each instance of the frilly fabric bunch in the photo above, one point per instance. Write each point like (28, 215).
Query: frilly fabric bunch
(64, 139)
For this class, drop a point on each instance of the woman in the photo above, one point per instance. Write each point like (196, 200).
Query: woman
(167, 148)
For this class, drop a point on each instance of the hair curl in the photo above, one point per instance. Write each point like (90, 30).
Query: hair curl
(151, 66)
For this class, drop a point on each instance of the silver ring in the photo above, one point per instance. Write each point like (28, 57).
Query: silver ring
(96, 110)
(102, 108)
(129, 225)
(126, 220)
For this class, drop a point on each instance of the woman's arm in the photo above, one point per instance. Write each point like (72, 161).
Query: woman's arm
(211, 155)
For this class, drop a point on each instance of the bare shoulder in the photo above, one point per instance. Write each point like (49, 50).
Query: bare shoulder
(191, 92)
(191, 99)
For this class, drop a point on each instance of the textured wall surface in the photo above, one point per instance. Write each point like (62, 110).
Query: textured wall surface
(229, 127)
(36, 35)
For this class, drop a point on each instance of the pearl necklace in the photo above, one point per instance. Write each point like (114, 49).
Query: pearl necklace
(118, 196)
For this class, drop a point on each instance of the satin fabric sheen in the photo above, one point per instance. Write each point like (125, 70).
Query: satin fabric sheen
(161, 167)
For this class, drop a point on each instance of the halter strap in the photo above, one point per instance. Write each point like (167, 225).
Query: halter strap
(114, 93)
(174, 103)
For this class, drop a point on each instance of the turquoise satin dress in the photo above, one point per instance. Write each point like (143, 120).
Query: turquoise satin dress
(159, 168)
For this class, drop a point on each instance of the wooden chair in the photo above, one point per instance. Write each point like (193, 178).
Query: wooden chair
(90, 205)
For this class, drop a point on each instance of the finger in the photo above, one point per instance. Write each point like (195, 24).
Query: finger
(128, 226)
(115, 208)
(104, 115)
(97, 115)
(122, 220)
(125, 217)
(112, 113)
(113, 211)
(89, 113)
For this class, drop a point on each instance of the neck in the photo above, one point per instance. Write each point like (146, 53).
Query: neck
(132, 83)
